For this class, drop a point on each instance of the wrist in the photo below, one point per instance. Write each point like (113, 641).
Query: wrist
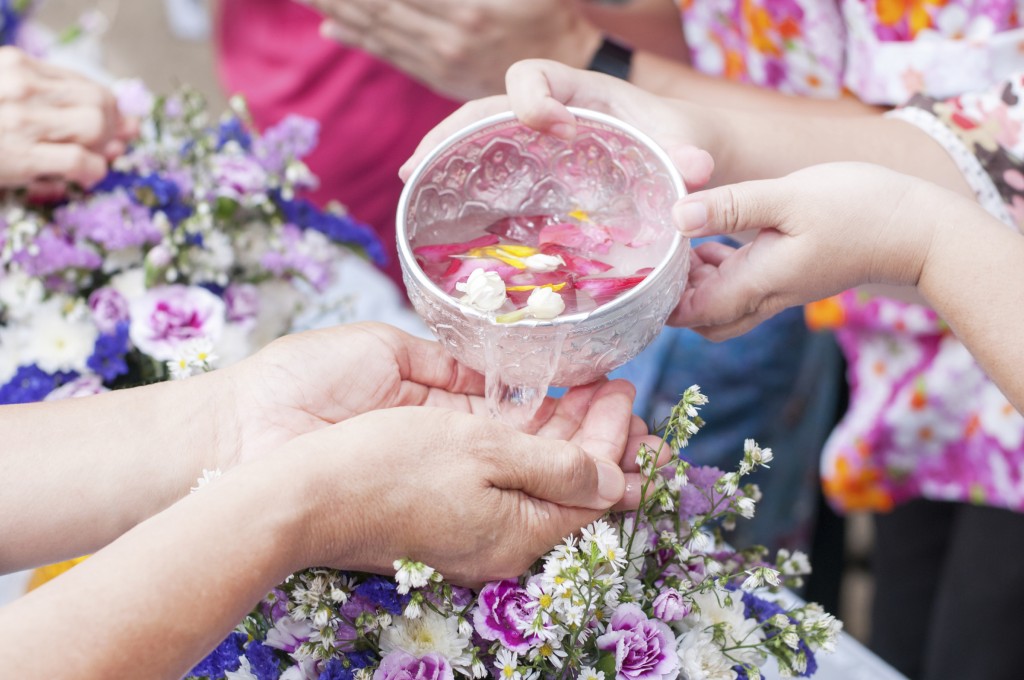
(579, 48)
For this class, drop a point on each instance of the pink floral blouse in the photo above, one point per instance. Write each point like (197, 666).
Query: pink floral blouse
(924, 420)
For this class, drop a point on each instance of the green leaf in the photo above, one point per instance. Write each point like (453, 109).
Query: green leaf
(607, 664)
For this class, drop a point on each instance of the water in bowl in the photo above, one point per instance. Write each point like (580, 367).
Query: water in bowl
(586, 260)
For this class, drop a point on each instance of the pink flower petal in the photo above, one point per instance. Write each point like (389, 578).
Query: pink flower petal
(439, 253)
(586, 237)
(524, 229)
(608, 287)
(577, 264)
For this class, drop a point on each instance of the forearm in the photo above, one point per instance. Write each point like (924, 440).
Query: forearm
(786, 143)
(157, 600)
(974, 278)
(77, 474)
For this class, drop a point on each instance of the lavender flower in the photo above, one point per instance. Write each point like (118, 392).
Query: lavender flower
(501, 614)
(238, 178)
(698, 496)
(291, 139)
(53, 251)
(645, 649)
(133, 97)
(399, 665)
(113, 221)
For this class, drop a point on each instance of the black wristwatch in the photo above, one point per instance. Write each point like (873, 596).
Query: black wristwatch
(612, 58)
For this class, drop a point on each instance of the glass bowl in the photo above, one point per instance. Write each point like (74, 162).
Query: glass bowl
(498, 168)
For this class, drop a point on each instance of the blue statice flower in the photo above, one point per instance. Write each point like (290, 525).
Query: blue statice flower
(233, 130)
(335, 670)
(812, 663)
(760, 609)
(383, 592)
(741, 673)
(107, 358)
(11, 17)
(361, 659)
(341, 228)
(263, 661)
(160, 193)
(227, 657)
(32, 383)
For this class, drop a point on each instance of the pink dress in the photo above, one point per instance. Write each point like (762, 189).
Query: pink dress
(924, 420)
(372, 115)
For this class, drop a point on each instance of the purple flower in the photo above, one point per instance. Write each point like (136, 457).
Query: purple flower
(399, 665)
(699, 494)
(54, 252)
(238, 177)
(85, 386)
(336, 670)
(645, 649)
(500, 610)
(112, 220)
(243, 301)
(671, 606)
(296, 258)
(133, 98)
(109, 308)
(165, 317)
(382, 592)
(293, 138)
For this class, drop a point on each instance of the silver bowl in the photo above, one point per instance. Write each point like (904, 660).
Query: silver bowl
(497, 168)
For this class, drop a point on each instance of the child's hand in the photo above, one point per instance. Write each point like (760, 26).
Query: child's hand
(821, 230)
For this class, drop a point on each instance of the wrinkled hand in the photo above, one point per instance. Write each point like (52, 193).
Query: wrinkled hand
(539, 92)
(822, 230)
(306, 382)
(461, 48)
(475, 499)
(56, 127)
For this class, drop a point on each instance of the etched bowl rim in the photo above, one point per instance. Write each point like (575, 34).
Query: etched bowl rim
(412, 268)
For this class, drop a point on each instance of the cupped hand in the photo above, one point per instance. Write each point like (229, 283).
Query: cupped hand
(56, 127)
(475, 499)
(461, 48)
(539, 92)
(821, 230)
(308, 381)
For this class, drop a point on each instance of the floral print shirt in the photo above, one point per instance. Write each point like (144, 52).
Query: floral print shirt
(924, 420)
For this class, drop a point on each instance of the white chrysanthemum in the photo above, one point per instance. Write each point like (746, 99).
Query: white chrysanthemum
(601, 538)
(507, 663)
(483, 290)
(63, 337)
(716, 606)
(429, 633)
(588, 673)
(549, 650)
(701, 659)
(20, 294)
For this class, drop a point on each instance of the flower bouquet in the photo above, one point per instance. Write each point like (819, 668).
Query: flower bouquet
(12, 14)
(193, 252)
(651, 595)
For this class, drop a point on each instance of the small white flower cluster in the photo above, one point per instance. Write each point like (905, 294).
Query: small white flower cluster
(193, 357)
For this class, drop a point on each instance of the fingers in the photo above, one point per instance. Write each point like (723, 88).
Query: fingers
(695, 165)
(70, 162)
(424, 363)
(731, 209)
(560, 473)
(538, 91)
(605, 428)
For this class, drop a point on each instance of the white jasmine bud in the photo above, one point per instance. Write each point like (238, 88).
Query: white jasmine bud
(545, 303)
(483, 290)
(542, 263)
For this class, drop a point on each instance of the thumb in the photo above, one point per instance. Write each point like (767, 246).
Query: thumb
(730, 209)
(564, 474)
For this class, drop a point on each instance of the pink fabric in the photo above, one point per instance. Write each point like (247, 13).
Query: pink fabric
(372, 115)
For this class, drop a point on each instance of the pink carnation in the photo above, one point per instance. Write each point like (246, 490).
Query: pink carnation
(166, 317)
